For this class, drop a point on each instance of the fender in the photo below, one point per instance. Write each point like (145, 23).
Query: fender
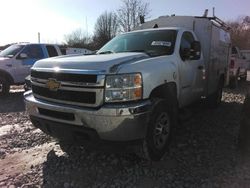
(165, 90)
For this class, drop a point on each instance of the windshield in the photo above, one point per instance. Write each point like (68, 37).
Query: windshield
(154, 43)
(11, 51)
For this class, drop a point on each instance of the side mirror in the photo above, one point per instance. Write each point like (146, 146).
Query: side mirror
(195, 51)
(23, 56)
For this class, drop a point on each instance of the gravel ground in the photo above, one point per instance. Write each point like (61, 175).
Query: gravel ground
(203, 153)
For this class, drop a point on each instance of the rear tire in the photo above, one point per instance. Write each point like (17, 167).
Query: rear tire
(233, 82)
(4, 86)
(159, 130)
(214, 100)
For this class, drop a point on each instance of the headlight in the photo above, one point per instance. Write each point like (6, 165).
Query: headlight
(123, 87)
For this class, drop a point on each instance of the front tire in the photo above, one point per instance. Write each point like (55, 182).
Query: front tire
(158, 131)
(4, 86)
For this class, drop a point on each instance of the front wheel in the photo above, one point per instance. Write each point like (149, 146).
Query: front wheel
(158, 131)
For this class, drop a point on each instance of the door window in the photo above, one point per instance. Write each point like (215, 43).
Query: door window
(51, 51)
(33, 51)
(186, 43)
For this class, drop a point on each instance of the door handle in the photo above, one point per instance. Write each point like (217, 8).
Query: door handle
(200, 67)
(9, 65)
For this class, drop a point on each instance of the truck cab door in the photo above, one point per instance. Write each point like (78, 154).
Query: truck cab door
(25, 60)
(192, 69)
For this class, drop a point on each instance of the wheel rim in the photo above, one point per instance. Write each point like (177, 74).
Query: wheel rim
(162, 130)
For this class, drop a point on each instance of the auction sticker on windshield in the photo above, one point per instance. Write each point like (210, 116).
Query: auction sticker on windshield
(161, 43)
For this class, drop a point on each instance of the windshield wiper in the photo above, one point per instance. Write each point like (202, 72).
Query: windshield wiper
(106, 52)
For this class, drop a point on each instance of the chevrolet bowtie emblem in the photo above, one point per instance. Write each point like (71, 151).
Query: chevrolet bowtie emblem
(52, 84)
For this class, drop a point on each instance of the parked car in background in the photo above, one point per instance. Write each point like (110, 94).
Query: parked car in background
(17, 59)
(238, 67)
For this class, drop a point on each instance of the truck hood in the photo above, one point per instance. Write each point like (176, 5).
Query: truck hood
(104, 63)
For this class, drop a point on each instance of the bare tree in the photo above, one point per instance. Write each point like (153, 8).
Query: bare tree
(240, 32)
(130, 12)
(77, 39)
(106, 28)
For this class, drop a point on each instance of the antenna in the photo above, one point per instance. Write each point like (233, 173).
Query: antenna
(213, 12)
(39, 37)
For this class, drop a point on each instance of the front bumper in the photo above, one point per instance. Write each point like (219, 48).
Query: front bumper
(114, 122)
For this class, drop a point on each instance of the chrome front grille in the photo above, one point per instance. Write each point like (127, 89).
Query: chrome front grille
(66, 77)
(75, 89)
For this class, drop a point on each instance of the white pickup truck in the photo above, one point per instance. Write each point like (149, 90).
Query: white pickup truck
(17, 59)
(238, 67)
(131, 90)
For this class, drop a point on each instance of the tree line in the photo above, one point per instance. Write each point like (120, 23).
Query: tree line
(109, 24)
(127, 17)
(240, 32)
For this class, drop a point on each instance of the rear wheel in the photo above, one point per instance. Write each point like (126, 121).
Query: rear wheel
(4, 86)
(233, 82)
(158, 131)
(214, 100)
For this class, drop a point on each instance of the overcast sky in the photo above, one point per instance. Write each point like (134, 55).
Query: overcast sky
(21, 20)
